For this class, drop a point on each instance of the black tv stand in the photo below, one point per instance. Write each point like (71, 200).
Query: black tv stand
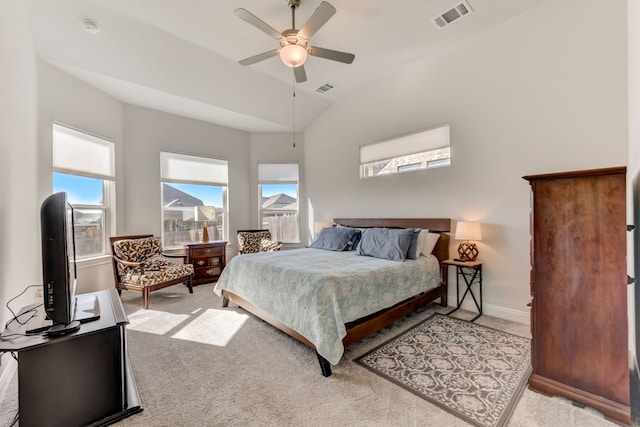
(80, 378)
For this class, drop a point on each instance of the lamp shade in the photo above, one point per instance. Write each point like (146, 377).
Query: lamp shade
(468, 231)
(319, 225)
(293, 55)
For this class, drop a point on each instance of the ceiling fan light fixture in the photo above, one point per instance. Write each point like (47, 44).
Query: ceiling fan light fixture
(293, 55)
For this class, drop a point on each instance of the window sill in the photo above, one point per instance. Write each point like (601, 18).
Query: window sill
(93, 261)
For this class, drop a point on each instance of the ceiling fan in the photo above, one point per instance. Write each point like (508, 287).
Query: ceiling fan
(293, 43)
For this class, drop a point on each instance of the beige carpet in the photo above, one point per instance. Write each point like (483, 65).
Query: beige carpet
(197, 364)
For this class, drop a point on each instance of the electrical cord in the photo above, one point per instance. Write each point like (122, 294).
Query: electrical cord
(33, 311)
(13, 299)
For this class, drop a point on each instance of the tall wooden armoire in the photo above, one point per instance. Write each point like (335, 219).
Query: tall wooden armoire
(579, 346)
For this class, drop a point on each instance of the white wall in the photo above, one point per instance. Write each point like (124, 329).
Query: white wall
(19, 210)
(147, 132)
(68, 101)
(543, 92)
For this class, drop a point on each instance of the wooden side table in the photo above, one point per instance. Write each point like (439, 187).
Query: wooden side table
(208, 259)
(471, 273)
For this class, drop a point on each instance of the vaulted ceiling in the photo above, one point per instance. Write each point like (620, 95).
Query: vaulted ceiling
(181, 56)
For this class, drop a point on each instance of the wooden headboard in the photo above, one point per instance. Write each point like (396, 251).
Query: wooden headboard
(436, 225)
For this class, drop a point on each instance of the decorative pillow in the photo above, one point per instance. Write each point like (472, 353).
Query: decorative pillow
(430, 243)
(422, 240)
(414, 250)
(337, 239)
(155, 263)
(386, 243)
(425, 244)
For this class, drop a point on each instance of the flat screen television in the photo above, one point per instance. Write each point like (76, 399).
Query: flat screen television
(58, 263)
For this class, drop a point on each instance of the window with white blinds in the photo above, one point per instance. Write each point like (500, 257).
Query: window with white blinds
(84, 168)
(279, 208)
(193, 169)
(194, 196)
(420, 150)
(82, 154)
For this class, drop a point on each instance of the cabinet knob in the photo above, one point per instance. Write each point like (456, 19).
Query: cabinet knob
(201, 262)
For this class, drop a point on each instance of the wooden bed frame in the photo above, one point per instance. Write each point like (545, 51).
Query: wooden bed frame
(361, 328)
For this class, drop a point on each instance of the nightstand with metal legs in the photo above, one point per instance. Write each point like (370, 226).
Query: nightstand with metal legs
(471, 273)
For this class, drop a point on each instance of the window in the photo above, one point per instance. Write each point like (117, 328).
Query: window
(278, 189)
(421, 150)
(84, 168)
(194, 196)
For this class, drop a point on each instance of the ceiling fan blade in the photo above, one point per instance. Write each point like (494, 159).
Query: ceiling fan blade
(317, 20)
(249, 17)
(259, 57)
(300, 74)
(333, 55)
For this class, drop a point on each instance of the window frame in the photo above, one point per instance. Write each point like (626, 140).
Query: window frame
(422, 150)
(205, 161)
(280, 181)
(108, 186)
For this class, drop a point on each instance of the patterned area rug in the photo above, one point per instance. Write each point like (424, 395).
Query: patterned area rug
(475, 372)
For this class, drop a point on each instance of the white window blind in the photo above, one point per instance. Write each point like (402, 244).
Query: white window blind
(427, 140)
(78, 152)
(193, 169)
(273, 172)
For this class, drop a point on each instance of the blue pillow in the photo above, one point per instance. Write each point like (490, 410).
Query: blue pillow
(413, 251)
(337, 239)
(387, 243)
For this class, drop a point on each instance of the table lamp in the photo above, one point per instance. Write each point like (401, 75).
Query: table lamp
(468, 251)
(319, 225)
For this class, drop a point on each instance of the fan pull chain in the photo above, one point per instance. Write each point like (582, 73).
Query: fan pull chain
(293, 88)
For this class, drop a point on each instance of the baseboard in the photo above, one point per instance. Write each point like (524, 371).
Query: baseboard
(8, 370)
(506, 313)
(520, 316)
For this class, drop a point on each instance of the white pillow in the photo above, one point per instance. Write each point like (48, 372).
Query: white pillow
(421, 242)
(426, 242)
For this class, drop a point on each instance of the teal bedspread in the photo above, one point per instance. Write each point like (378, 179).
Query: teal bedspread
(315, 291)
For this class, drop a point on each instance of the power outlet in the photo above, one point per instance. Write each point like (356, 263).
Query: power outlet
(38, 293)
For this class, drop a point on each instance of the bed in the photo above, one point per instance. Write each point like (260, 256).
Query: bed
(329, 299)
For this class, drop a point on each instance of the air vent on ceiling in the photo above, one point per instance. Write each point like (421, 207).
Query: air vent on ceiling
(326, 87)
(452, 15)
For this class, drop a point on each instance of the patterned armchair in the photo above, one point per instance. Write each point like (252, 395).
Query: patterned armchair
(139, 265)
(254, 241)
